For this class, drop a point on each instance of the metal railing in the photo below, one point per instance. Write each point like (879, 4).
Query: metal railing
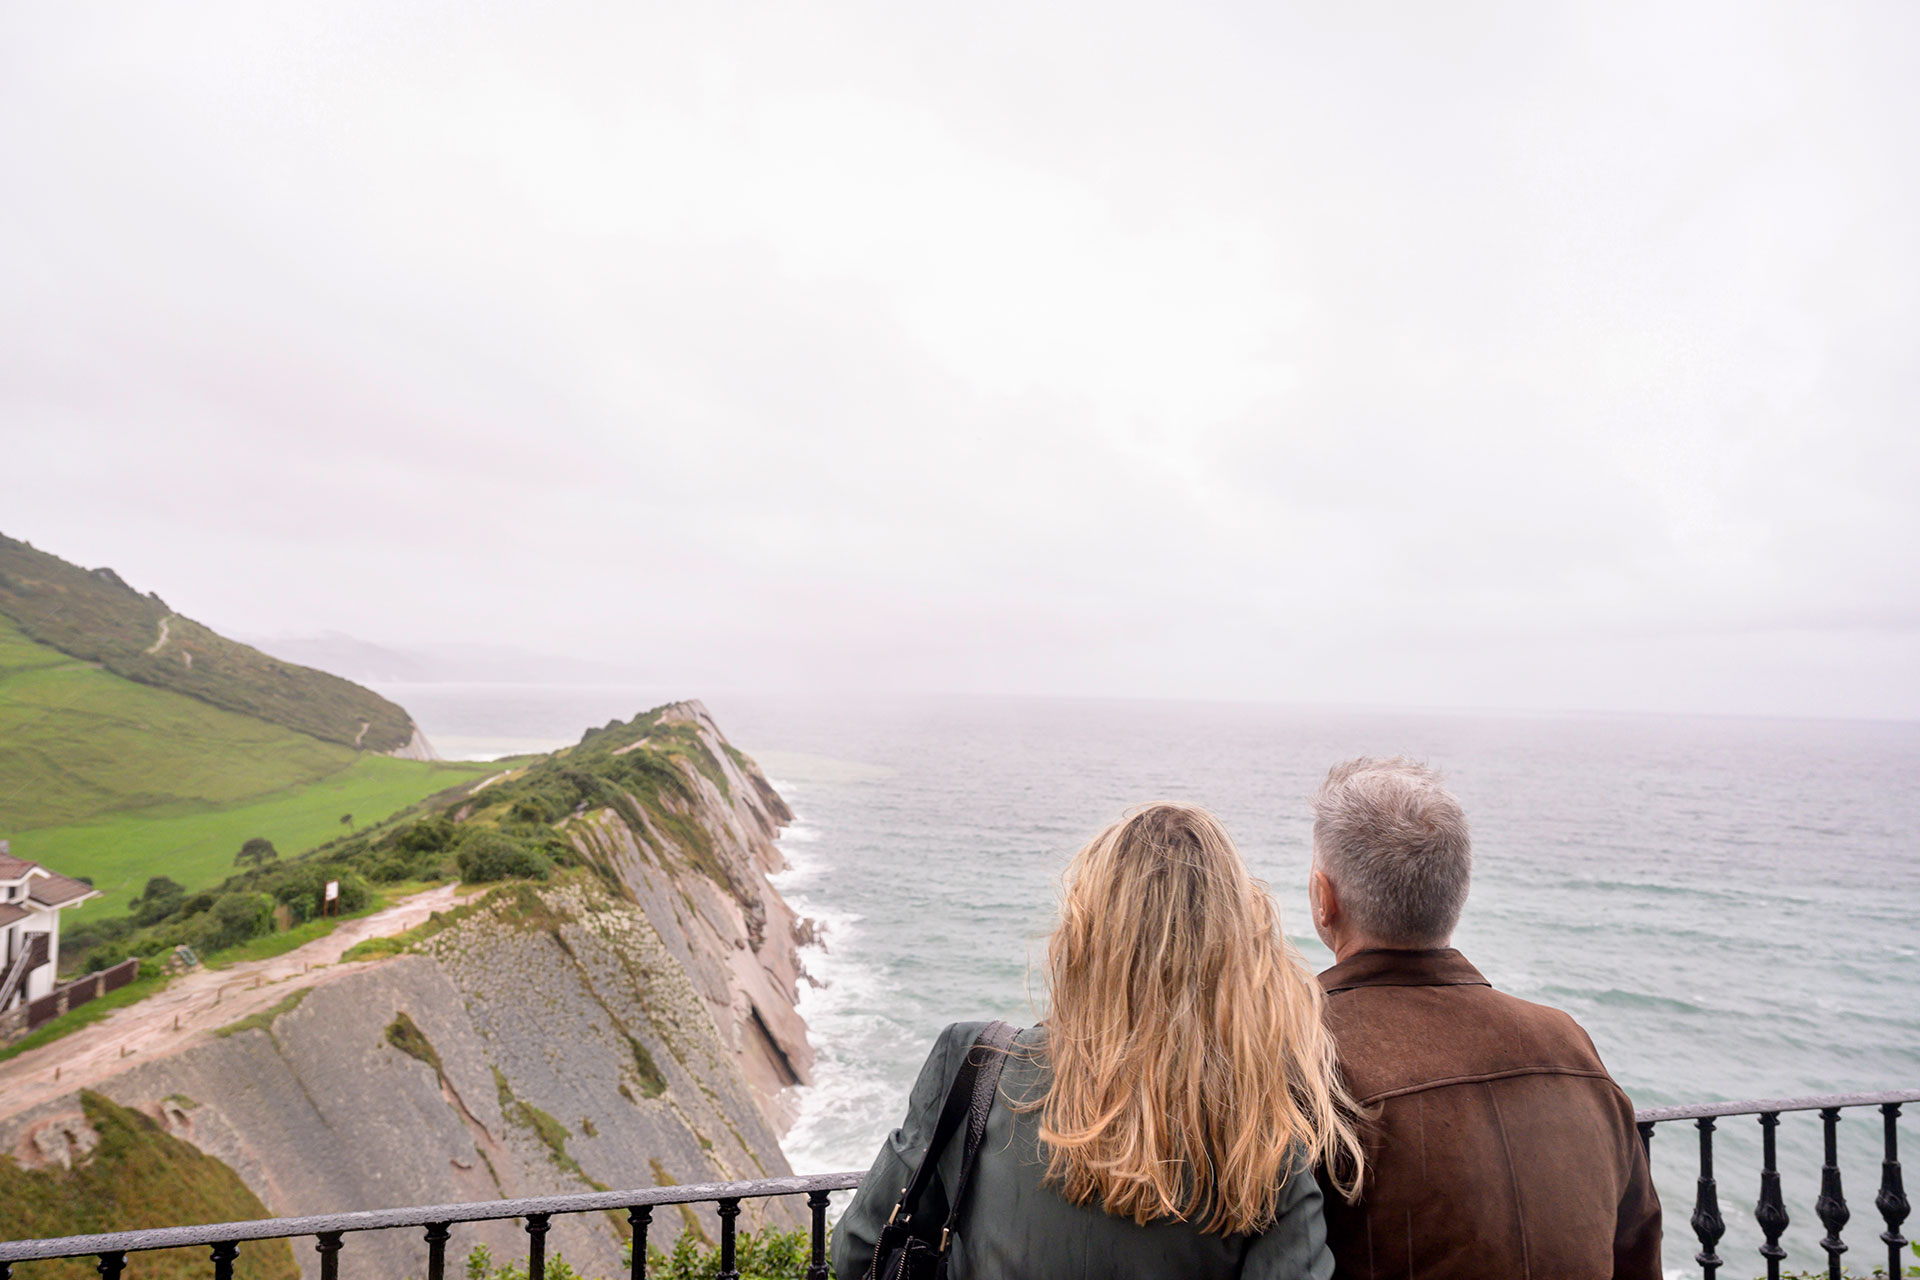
(1770, 1211)
(329, 1231)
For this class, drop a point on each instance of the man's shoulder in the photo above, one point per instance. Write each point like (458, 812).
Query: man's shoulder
(1400, 1039)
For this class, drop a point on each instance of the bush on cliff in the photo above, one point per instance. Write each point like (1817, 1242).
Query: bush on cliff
(491, 855)
(234, 919)
(771, 1254)
(301, 887)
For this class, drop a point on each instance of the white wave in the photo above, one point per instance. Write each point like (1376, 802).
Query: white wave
(849, 1103)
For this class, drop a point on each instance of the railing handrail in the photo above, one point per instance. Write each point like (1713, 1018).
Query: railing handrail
(1765, 1106)
(418, 1216)
(123, 1242)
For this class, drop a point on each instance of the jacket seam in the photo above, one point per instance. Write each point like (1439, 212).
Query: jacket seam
(1513, 1184)
(1484, 1077)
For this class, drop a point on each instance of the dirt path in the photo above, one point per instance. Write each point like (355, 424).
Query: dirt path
(194, 1006)
(161, 643)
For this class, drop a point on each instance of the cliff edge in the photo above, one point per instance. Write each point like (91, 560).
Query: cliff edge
(629, 1022)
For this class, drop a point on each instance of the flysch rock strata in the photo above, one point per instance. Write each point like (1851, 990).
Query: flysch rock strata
(579, 1039)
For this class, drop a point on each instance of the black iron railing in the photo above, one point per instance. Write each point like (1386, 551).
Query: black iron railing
(436, 1222)
(1770, 1211)
(329, 1231)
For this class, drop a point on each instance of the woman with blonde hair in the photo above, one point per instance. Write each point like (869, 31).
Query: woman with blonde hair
(1167, 1117)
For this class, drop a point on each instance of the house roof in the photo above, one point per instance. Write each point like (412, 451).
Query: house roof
(11, 911)
(44, 888)
(54, 890)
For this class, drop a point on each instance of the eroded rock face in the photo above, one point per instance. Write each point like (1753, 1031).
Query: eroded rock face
(63, 1139)
(608, 1031)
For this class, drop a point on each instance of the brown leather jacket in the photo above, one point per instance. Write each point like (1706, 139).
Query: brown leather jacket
(1500, 1148)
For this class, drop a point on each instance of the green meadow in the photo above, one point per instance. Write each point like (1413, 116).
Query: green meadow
(118, 781)
(77, 742)
(195, 844)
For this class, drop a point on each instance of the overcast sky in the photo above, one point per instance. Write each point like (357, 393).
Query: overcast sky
(1528, 355)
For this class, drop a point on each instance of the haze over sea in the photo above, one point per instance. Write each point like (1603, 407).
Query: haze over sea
(1731, 907)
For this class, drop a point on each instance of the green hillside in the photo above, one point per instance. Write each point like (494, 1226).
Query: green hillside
(116, 781)
(94, 616)
(77, 741)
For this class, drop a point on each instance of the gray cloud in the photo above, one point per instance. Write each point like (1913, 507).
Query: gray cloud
(1509, 355)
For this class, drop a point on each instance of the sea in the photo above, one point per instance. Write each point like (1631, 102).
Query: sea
(1729, 906)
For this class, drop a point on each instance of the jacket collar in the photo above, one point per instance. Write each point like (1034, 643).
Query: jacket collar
(1441, 968)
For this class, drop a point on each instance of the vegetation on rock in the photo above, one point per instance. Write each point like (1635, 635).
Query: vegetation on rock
(138, 1176)
(758, 1255)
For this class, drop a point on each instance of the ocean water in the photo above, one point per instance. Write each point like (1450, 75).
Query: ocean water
(1731, 907)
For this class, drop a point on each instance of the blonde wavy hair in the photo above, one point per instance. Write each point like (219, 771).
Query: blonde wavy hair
(1190, 1066)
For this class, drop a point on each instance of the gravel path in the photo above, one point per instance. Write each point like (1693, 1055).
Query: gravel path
(192, 1007)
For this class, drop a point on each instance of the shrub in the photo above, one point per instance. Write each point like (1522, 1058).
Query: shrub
(257, 852)
(489, 855)
(235, 917)
(429, 835)
(105, 956)
(299, 886)
(532, 807)
(160, 899)
(758, 1255)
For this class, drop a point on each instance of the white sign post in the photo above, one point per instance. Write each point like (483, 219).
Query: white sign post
(331, 905)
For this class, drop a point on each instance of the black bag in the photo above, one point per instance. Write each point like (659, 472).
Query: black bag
(911, 1245)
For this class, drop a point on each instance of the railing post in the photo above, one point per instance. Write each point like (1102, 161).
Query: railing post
(1771, 1212)
(1646, 1140)
(223, 1255)
(1892, 1200)
(640, 1217)
(111, 1265)
(728, 1211)
(1707, 1224)
(438, 1233)
(1832, 1204)
(816, 1201)
(327, 1245)
(537, 1245)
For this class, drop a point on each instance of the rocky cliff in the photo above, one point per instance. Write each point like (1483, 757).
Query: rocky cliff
(628, 1023)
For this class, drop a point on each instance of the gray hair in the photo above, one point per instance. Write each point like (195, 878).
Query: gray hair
(1395, 843)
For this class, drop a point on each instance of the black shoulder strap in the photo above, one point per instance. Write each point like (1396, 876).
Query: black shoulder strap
(990, 1051)
(960, 1102)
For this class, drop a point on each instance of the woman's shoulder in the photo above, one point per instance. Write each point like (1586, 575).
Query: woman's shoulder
(956, 1037)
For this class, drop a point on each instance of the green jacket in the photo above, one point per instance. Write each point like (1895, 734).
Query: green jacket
(1015, 1226)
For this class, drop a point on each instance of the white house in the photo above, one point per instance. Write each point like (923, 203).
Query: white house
(31, 900)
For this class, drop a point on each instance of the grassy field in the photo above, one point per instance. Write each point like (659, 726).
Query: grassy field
(77, 742)
(105, 778)
(195, 843)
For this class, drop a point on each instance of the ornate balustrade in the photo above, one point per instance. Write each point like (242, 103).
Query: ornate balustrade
(436, 1222)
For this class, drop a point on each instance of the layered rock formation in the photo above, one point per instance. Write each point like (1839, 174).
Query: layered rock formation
(629, 1024)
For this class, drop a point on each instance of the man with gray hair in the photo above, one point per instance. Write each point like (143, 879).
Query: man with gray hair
(1497, 1144)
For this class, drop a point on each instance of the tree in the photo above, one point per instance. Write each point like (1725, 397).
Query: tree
(257, 852)
(346, 820)
(161, 898)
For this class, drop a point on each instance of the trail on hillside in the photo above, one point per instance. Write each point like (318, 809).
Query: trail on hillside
(194, 1006)
(161, 643)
